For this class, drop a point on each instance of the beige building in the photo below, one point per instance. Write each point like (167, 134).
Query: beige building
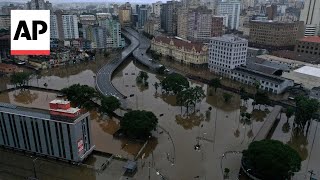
(125, 14)
(273, 34)
(186, 52)
(152, 26)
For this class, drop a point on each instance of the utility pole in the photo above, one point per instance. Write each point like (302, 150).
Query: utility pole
(149, 170)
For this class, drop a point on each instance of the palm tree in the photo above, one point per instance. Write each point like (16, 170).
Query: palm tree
(289, 113)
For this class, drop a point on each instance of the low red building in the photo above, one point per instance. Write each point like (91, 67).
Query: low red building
(63, 108)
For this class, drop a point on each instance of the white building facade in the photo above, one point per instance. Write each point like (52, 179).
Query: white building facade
(231, 8)
(54, 32)
(310, 15)
(226, 53)
(70, 26)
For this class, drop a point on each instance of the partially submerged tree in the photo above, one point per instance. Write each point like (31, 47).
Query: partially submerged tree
(20, 78)
(215, 83)
(271, 159)
(305, 111)
(138, 124)
(174, 83)
(81, 95)
(109, 104)
(227, 97)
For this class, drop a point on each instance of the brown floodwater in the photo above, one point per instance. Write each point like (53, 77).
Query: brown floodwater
(219, 129)
(171, 149)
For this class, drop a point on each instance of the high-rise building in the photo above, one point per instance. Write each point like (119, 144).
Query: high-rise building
(182, 22)
(142, 12)
(217, 26)
(38, 5)
(61, 132)
(125, 12)
(199, 24)
(99, 37)
(54, 31)
(231, 8)
(310, 15)
(274, 35)
(5, 22)
(5, 10)
(226, 53)
(271, 11)
(169, 17)
(70, 26)
(156, 8)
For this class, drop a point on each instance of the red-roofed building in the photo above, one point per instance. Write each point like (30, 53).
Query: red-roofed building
(184, 51)
(308, 45)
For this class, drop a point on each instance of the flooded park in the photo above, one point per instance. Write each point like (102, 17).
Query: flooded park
(215, 126)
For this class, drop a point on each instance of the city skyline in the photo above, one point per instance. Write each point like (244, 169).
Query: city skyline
(91, 1)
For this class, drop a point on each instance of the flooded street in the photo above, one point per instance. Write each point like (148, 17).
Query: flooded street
(218, 130)
(214, 125)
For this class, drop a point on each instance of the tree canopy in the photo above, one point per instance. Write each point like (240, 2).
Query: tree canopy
(190, 96)
(262, 98)
(305, 111)
(20, 78)
(81, 95)
(109, 104)
(138, 124)
(174, 83)
(271, 159)
(215, 83)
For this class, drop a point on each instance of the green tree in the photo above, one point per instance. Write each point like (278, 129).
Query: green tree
(271, 159)
(262, 98)
(174, 83)
(190, 97)
(20, 78)
(138, 123)
(109, 104)
(215, 83)
(289, 113)
(227, 97)
(81, 95)
(305, 110)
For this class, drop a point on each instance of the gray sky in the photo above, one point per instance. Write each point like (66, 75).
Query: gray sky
(87, 1)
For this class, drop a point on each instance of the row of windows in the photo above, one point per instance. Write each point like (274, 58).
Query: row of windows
(35, 135)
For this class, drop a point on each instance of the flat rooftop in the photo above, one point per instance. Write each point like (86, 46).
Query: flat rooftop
(34, 112)
(308, 70)
(314, 39)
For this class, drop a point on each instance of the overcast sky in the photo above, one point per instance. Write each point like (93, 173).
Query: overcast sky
(87, 1)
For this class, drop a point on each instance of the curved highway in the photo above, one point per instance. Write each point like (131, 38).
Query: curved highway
(140, 53)
(104, 75)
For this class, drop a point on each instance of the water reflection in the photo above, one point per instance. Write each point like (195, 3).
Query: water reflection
(25, 96)
(299, 142)
(259, 115)
(190, 121)
(216, 99)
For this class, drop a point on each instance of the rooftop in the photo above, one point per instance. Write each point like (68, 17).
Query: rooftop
(230, 38)
(180, 43)
(315, 39)
(312, 71)
(34, 112)
(59, 101)
(260, 74)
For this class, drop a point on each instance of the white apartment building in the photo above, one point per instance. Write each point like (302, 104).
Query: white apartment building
(310, 15)
(54, 32)
(156, 8)
(5, 22)
(226, 53)
(70, 26)
(231, 8)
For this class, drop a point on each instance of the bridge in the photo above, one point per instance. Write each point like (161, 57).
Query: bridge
(104, 75)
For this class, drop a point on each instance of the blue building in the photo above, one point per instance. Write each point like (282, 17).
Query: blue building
(61, 132)
(142, 12)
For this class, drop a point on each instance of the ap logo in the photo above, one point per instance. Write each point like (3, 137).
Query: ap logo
(30, 32)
